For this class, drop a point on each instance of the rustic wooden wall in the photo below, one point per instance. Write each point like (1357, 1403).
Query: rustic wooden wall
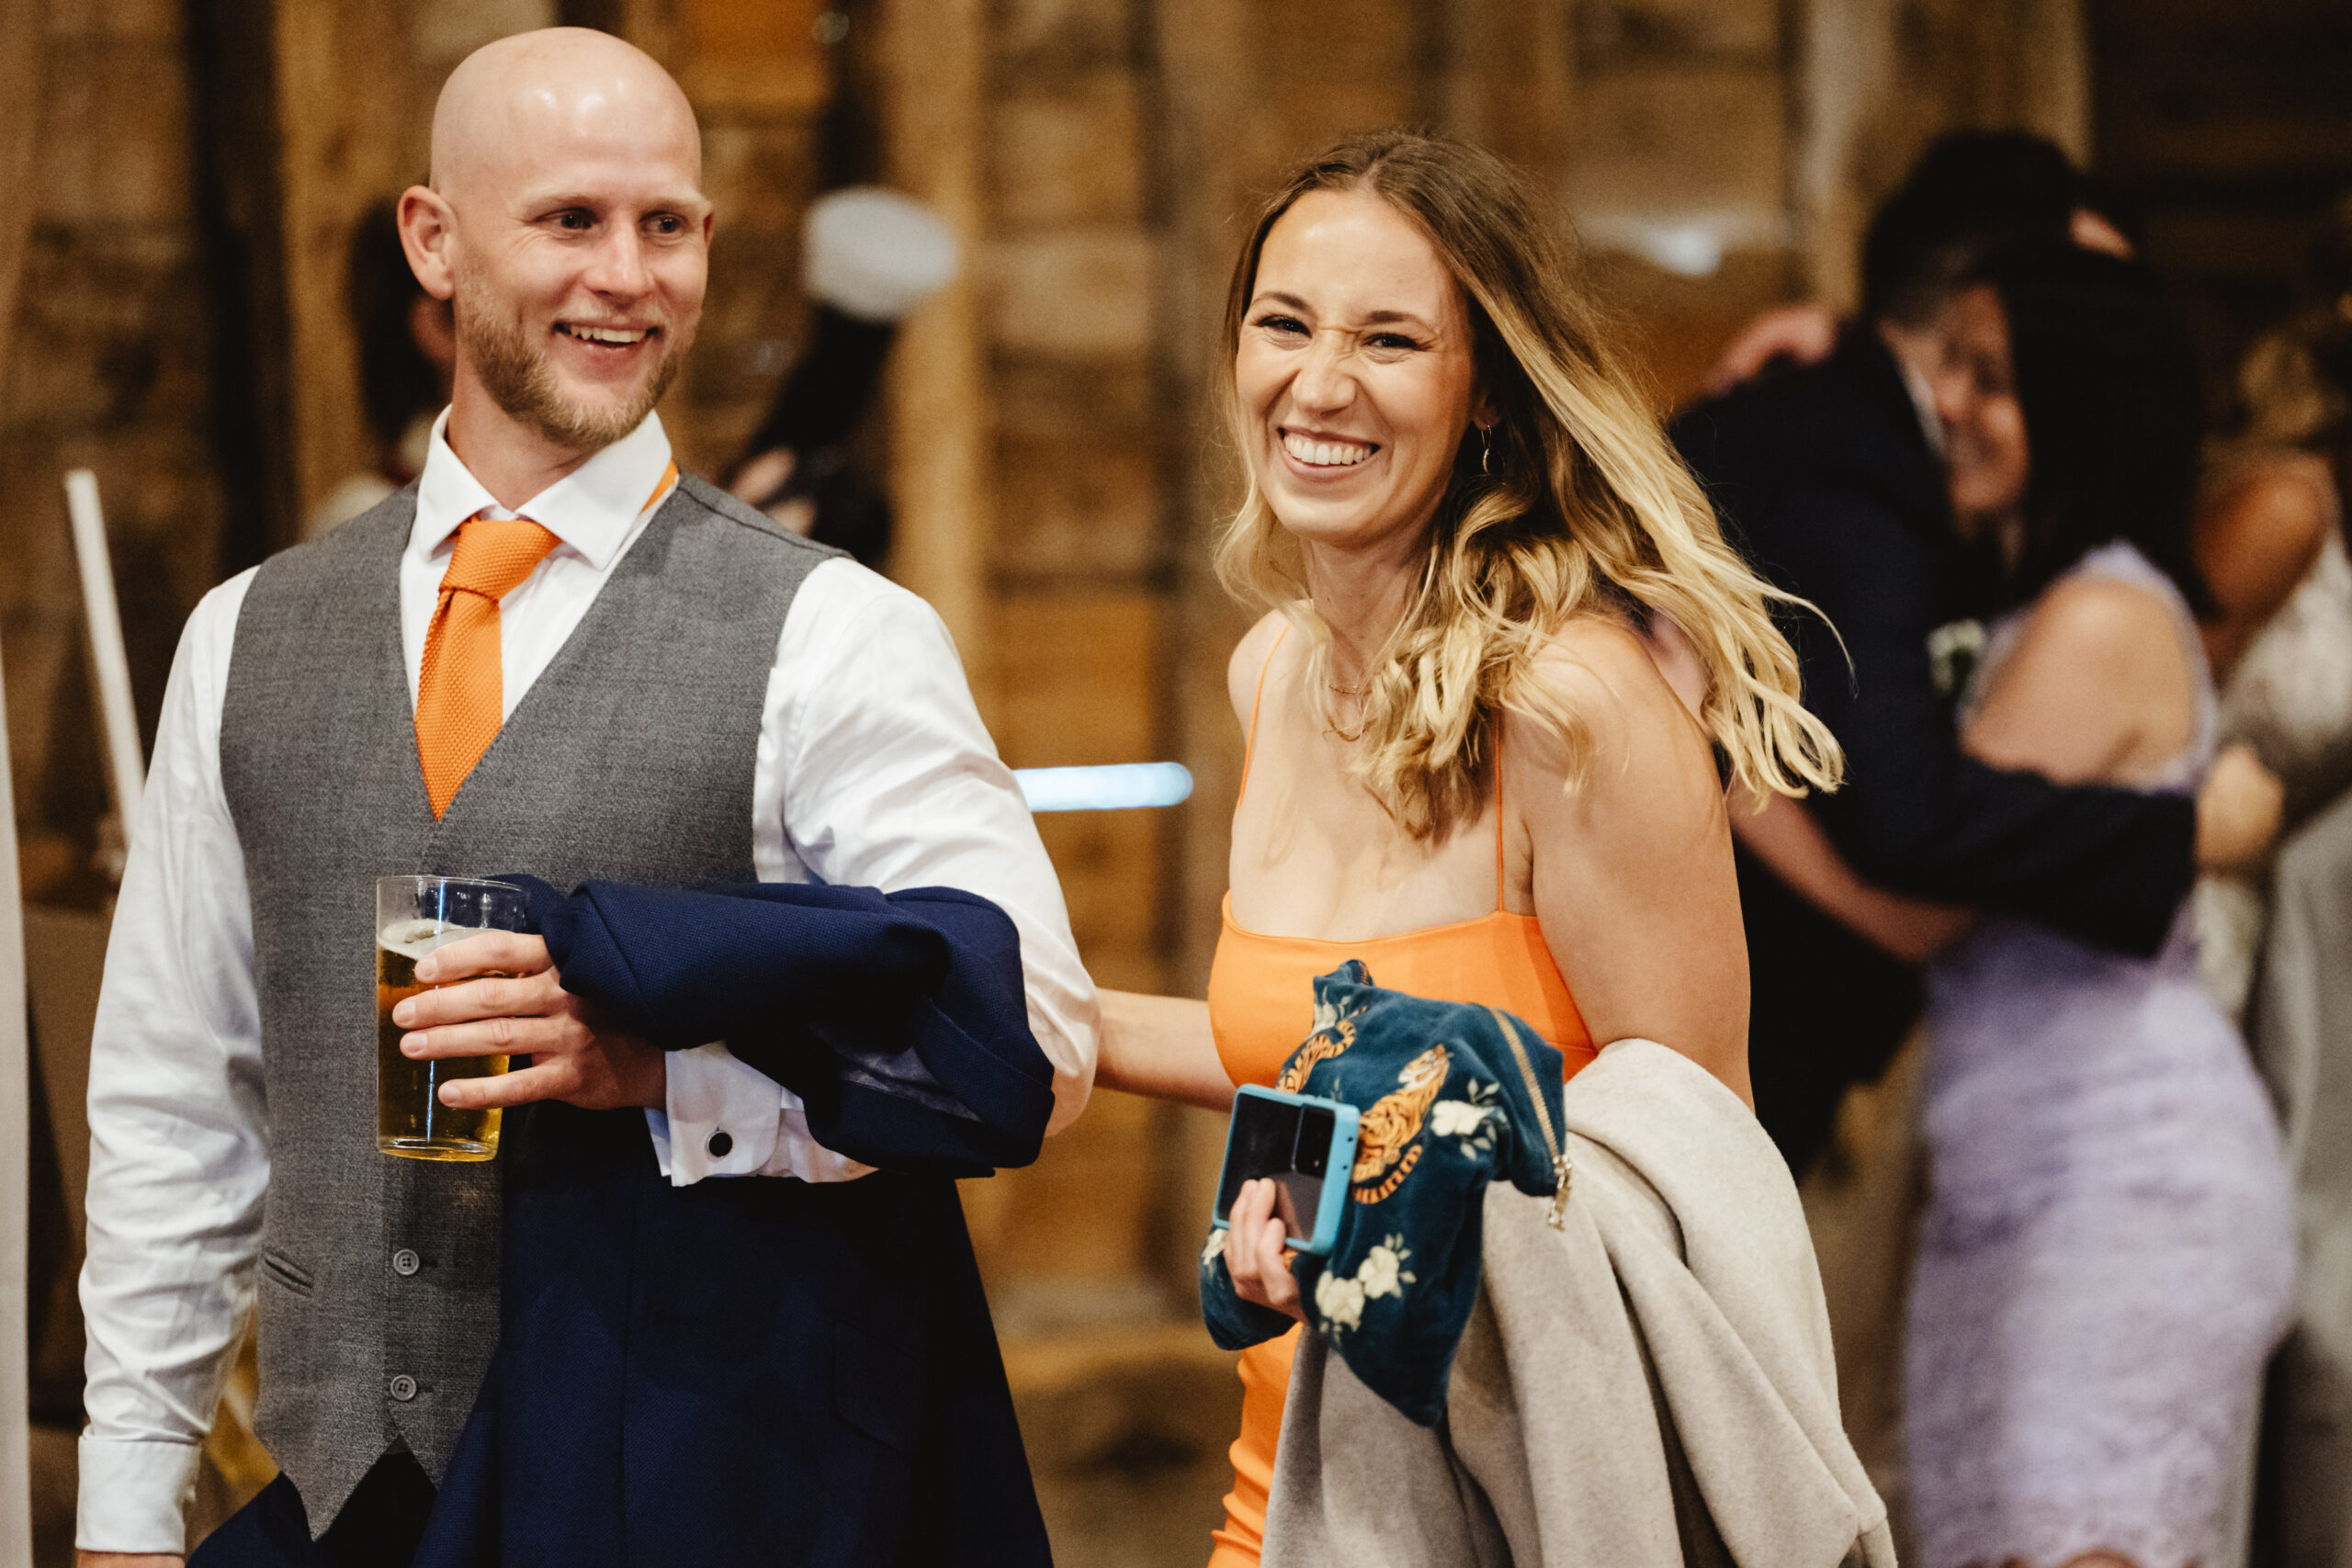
(108, 366)
(760, 80)
(2229, 130)
(355, 88)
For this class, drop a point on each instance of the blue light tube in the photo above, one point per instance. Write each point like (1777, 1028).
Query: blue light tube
(1116, 786)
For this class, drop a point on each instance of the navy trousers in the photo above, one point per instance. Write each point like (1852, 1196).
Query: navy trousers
(378, 1527)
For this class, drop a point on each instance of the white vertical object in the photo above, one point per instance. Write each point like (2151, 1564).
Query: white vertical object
(15, 1191)
(126, 772)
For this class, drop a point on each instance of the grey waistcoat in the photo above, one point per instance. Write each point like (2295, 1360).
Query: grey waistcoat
(630, 757)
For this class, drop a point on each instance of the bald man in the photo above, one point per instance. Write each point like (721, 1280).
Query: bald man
(752, 1346)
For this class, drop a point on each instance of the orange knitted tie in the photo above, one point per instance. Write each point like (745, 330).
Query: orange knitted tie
(460, 690)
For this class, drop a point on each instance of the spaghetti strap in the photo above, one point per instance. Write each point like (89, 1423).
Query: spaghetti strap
(1249, 746)
(1500, 904)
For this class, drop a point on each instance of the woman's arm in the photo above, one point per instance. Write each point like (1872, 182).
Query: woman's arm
(1783, 835)
(1161, 1046)
(1633, 870)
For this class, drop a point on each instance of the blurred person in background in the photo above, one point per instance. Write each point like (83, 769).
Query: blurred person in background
(2107, 1252)
(408, 352)
(1464, 765)
(1833, 477)
(2270, 538)
(872, 256)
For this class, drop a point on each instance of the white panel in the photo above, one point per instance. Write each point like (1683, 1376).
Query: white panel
(15, 1137)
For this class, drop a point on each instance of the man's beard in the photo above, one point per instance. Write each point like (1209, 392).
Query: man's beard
(513, 370)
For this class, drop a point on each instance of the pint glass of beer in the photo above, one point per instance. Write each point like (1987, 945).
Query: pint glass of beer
(413, 916)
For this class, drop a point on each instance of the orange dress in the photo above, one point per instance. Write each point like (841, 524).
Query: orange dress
(1261, 1004)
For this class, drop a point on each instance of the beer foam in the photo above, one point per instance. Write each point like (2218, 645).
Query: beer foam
(414, 939)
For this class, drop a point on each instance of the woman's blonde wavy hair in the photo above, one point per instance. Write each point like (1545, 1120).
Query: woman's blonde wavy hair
(1587, 507)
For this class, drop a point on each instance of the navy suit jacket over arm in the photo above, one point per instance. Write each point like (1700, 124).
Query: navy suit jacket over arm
(762, 1370)
(900, 1018)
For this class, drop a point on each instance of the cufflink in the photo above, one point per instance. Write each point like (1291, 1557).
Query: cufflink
(721, 1145)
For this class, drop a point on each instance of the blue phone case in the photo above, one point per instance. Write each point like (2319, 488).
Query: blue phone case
(1341, 1159)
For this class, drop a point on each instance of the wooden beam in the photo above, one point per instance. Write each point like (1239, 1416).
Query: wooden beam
(1882, 78)
(232, 54)
(20, 101)
(935, 58)
(2053, 51)
(1505, 81)
(752, 55)
(352, 122)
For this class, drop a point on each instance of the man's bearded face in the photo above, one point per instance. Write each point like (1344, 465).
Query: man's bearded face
(529, 374)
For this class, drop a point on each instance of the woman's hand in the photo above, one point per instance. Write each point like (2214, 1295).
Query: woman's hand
(2237, 812)
(1805, 333)
(1255, 1253)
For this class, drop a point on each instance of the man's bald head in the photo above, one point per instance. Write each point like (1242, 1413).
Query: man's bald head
(565, 220)
(557, 85)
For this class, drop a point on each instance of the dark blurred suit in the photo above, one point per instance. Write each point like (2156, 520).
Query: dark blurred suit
(1825, 476)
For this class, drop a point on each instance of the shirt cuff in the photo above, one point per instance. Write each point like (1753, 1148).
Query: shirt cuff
(133, 1494)
(720, 1118)
(727, 1118)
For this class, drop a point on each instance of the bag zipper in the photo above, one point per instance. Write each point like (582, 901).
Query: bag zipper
(1560, 1172)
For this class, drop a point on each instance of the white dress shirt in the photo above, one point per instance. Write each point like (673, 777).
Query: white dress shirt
(873, 769)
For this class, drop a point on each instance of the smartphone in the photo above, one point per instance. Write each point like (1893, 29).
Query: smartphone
(1306, 1145)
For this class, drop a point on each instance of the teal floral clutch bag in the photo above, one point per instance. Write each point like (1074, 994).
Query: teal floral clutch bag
(1452, 1097)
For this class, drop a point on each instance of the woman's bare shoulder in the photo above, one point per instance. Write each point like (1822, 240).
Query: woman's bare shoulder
(1248, 663)
(2089, 624)
(1647, 747)
(1599, 665)
(2100, 675)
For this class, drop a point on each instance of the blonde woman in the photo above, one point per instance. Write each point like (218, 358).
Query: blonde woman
(1464, 764)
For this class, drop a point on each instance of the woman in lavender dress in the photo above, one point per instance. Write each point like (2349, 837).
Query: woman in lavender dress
(2108, 1247)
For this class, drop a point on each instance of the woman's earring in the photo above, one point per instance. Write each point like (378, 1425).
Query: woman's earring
(1485, 448)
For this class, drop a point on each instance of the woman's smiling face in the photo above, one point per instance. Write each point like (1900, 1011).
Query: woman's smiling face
(1985, 453)
(1354, 371)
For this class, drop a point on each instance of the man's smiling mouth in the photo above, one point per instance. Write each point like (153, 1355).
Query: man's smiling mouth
(621, 337)
(1326, 454)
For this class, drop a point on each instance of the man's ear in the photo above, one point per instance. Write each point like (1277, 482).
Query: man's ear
(428, 228)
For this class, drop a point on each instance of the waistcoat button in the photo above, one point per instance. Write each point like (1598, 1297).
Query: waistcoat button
(720, 1144)
(403, 1388)
(406, 1262)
